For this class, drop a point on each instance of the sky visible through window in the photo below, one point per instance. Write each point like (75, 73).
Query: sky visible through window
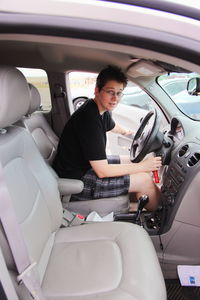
(32, 72)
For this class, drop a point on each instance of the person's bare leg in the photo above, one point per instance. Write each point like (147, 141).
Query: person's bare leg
(125, 159)
(142, 183)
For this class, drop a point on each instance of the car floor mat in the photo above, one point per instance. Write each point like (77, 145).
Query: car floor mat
(177, 292)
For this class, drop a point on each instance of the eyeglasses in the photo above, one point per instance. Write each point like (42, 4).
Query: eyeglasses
(113, 94)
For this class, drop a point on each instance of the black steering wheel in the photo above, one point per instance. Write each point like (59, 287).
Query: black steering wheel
(147, 138)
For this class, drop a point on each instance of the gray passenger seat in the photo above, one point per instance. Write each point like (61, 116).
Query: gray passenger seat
(46, 141)
(92, 261)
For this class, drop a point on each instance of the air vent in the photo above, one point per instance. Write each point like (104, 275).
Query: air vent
(183, 150)
(194, 159)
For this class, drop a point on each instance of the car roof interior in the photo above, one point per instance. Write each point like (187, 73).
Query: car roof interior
(56, 43)
(58, 54)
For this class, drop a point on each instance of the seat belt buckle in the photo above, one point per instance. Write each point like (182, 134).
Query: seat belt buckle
(72, 219)
(78, 220)
(27, 270)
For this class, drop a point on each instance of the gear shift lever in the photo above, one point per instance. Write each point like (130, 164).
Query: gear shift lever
(142, 201)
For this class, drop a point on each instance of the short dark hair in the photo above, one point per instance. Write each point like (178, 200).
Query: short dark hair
(110, 73)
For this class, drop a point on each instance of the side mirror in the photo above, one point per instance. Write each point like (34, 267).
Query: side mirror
(193, 86)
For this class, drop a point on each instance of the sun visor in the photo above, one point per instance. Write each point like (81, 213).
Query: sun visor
(144, 68)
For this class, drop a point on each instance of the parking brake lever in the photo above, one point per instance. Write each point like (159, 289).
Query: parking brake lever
(142, 201)
(156, 177)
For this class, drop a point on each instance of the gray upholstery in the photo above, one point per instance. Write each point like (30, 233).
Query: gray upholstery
(35, 99)
(47, 141)
(12, 105)
(103, 206)
(38, 126)
(104, 261)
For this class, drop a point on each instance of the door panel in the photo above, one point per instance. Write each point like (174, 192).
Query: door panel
(127, 117)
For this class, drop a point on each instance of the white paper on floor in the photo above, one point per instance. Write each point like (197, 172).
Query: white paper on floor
(189, 275)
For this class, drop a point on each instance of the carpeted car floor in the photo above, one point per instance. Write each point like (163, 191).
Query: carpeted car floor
(177, 292)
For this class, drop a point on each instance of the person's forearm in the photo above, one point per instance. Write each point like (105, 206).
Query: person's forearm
(118, 129)
(103, 169)
(115, 170)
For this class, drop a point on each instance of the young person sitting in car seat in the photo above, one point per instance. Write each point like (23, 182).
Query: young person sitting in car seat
(82, 155)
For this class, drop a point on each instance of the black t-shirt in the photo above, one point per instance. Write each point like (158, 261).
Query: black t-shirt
(83, 139)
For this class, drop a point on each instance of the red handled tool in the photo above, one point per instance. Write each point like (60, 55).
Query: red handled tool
(156, 177)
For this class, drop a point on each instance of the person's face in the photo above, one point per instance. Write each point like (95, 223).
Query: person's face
(109, 96)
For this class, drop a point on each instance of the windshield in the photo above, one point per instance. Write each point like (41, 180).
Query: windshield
(175, 85)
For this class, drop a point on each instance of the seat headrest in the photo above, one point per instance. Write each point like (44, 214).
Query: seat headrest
(15, 96)
(35, 99)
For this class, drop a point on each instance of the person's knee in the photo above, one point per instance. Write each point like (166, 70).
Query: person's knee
(125, 159)
(141, 184)
(148, 180)
(137, 182)
(149, 188)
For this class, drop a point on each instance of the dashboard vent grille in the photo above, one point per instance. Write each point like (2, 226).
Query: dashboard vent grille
(194, 159)
(183, 150)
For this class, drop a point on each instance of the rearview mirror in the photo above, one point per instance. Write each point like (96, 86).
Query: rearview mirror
(193, 86)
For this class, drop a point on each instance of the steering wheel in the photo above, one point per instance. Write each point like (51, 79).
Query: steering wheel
(147, 138)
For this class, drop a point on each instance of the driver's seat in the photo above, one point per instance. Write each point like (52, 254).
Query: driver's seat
(46, 142)
(103, 206)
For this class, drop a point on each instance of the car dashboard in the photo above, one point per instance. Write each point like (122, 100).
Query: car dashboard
(178, 177)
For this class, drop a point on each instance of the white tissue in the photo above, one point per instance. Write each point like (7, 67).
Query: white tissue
(95, 217)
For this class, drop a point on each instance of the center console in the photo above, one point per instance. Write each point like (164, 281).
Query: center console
(184, 165)
(149, 220)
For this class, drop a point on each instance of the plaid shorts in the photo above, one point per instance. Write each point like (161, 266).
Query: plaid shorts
(96, 188)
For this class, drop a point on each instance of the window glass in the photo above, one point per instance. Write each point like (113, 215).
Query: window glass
(39, 79)
(82, 86)
(175, 85)
(135, 96)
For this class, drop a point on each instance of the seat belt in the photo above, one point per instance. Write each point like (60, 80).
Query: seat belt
(16, 242)
(59, 109)
(7, 291)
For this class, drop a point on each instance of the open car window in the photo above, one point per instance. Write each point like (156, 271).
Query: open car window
(39, 79)
(135, 96)
(82, 85)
